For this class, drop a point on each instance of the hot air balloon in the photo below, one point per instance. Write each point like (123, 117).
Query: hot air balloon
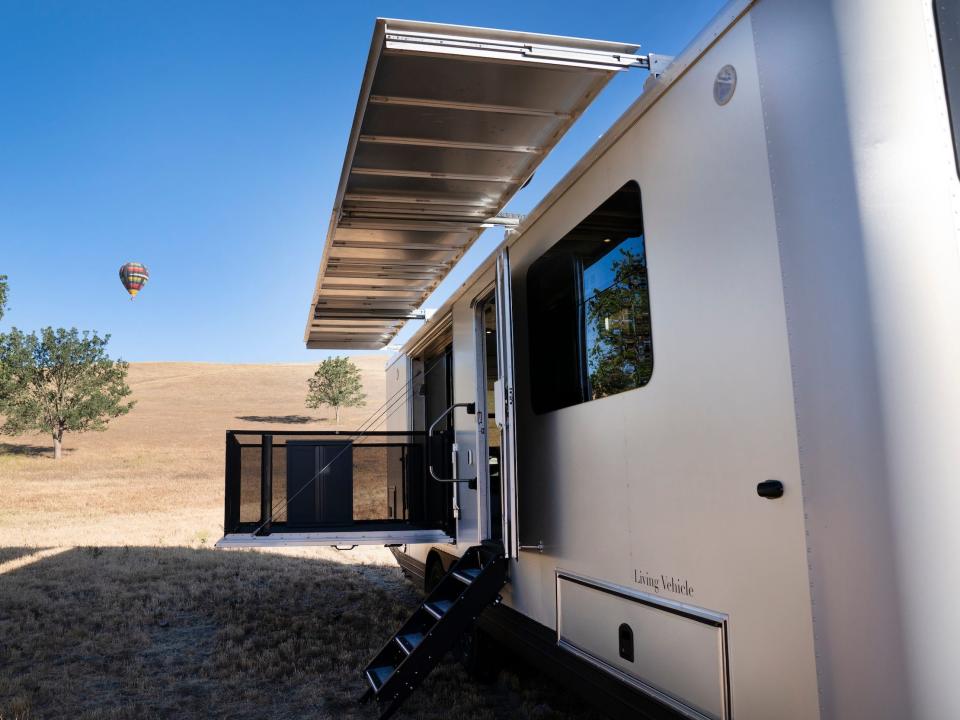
(134, 276)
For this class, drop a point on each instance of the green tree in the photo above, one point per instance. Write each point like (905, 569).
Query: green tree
(337, 384)
(3, 295)
(60, 381)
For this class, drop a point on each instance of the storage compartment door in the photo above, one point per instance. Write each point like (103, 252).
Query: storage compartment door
(673, 651)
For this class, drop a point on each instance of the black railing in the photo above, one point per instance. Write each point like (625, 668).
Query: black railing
(308, 481)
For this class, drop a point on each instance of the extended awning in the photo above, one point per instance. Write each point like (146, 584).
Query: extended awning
(450, 123)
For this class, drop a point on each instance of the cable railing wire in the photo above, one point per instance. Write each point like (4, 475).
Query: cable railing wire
(365, 427)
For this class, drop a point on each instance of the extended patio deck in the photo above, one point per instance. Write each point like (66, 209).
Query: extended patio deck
(296, 488)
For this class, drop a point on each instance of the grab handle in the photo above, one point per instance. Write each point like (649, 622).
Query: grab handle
(454, 450)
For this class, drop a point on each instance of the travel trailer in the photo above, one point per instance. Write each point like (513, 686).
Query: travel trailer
(688, 437)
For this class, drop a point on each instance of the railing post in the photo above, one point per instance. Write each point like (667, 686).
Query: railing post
(231, 505)
(266, 483)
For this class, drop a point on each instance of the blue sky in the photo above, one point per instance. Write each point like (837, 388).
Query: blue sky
(205, 140)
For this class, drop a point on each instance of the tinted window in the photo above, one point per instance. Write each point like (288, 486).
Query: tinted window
(589, 308)
(947, 13)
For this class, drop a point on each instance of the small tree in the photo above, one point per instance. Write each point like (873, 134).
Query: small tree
(3, 295)
(62, 381)
(336, 383)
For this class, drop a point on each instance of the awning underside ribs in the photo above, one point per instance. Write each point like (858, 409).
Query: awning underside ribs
(451, 122)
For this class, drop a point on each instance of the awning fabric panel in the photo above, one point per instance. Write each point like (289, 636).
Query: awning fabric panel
(450, 123)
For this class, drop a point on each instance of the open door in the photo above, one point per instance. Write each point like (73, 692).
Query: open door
(504, 399)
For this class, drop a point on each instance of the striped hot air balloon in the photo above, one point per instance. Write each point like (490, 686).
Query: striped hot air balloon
(134, 276)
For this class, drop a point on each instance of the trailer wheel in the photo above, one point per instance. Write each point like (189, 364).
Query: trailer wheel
(480, 655)
(434, 573)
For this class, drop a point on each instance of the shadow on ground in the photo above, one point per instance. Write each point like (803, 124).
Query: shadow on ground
(281, 419)
(194, 633)
(30, 450)
(15, 553)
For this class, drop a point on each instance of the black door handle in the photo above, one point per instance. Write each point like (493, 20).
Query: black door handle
(770, 489)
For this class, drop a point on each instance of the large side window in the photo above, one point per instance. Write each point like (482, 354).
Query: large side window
(947, 13)
(589, 308)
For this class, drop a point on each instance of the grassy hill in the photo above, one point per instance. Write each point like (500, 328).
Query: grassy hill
(156, 475)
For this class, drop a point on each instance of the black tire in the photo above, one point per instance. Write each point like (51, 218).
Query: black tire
(434, 573)
(480, 655)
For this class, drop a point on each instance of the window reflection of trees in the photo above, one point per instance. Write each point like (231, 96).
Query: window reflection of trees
(619, 350)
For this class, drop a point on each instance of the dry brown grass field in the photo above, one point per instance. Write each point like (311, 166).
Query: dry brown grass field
(113, 603)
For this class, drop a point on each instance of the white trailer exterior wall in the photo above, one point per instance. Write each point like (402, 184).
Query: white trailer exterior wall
(662, 480)
(802, 243)
(866, 200)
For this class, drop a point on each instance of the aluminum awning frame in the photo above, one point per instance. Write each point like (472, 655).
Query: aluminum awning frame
(451, 121)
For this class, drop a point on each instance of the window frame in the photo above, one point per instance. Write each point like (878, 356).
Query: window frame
(951, 87)
(580, 366)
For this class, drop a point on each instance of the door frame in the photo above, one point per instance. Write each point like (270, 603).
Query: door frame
(504, 405)
(506, 408)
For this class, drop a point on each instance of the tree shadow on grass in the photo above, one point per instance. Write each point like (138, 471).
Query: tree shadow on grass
(182, 632)
(29, 450)
(282, 419)
(15, 553)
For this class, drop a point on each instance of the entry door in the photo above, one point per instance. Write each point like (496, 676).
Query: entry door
(489, 435)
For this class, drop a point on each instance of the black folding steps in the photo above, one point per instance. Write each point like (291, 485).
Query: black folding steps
(446, 613)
